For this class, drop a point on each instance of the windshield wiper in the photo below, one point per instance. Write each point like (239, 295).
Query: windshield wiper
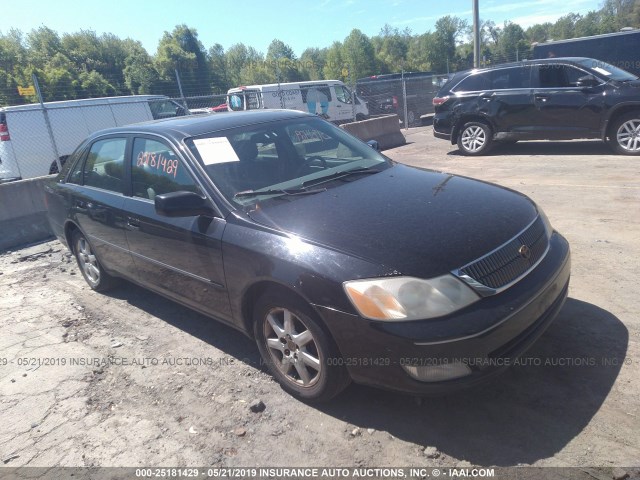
(278, 191)
(343, 173)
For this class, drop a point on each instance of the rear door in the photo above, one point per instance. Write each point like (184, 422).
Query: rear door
(562, 109)
(503, 96)
(180, 257)
(96, 201)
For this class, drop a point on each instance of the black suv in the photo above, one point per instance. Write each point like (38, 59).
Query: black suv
(549, 99)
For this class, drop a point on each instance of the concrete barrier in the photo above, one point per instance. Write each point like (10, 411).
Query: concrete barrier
(23, 213)
(385, 130)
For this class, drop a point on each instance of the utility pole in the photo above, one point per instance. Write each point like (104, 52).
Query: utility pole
(476, 34)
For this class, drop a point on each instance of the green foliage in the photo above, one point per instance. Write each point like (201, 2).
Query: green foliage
(84, 64)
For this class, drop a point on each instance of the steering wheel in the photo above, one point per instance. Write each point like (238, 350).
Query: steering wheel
(309, 160)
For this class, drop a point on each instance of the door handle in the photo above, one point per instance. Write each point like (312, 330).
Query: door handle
(542, 98)
(133, 223)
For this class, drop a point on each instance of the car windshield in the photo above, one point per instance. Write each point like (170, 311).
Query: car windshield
(607, 70)
(283, 159)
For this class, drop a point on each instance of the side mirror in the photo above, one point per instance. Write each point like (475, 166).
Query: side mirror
(588, 81)
(374, 144)
(182, 204)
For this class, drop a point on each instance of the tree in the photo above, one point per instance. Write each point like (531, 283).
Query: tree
(218, 69)
(312, 62)
(334, 66)
(419, 53)
(140, 76)
(42, 44)
(358, 55)
(281, 62)
(449, 30)
(181, 50)
(512, 44)
(391, 47)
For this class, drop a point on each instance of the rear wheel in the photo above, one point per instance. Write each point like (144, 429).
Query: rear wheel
(624, 136)
(92, 271)
(475, 138)
(298, 351)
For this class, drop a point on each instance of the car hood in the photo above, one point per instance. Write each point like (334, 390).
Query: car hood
(412, 221)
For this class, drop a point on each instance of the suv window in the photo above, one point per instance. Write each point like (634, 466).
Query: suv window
(104, 166)
(156, 169)
(559, 76)
(501, 79)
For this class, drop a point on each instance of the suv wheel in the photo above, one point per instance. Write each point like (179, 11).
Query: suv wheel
(299, 353)
(625, 134)
(475, 138)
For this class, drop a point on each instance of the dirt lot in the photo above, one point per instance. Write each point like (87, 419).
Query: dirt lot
(131, 379)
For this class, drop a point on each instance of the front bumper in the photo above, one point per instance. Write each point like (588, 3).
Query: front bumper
(487, 336)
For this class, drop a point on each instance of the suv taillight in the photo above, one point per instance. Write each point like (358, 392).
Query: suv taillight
(4, 133)
(439, 100)
(395, 102)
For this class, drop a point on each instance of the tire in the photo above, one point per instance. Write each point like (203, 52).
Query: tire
(624, 135)
(412, 121)
(88, 263)
(298, 351)
(475, 138)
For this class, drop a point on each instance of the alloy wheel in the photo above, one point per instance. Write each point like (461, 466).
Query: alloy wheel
(292, 347)
(628, 135)
(88, 262)
(474, 138)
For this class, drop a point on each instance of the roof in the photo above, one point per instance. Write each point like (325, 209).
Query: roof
(194, 125)
(593, 37)
(524, 62)
(81, 102)
(284, 84)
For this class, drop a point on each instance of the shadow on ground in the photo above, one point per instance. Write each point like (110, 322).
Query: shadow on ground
(587, 147)
(529, 413)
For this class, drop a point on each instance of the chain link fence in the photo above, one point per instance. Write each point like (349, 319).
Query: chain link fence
(408, 95)
(37, 136)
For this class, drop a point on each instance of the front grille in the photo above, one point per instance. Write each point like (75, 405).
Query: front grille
(507, 264)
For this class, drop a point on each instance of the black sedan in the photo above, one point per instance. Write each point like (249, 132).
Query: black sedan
(342, 264)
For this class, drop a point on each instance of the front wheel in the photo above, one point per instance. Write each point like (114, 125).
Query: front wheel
(475, 138)
(299, 353)
(624, 135)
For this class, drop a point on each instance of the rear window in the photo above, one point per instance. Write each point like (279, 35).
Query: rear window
(500, 79)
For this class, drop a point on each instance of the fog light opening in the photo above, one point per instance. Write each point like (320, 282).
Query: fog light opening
(438, 373)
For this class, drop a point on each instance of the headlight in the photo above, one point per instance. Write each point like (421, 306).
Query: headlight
(407, 298)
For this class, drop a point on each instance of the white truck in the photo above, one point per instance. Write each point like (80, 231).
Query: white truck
(33, 137)
(330, 99)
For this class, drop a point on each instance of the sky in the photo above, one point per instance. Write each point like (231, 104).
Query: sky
(300, 24)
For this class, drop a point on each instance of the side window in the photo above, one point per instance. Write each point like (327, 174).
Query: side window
(104, 166)
(165, 109)
(508, 78)
(342, 94)
(156, 169)
(573, 75)
(75, 164)
(559, 76)
(474, 83)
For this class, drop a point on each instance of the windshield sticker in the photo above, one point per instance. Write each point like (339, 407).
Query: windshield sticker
(310, 134)
(158, 161)
(216, 150)
(602, 71)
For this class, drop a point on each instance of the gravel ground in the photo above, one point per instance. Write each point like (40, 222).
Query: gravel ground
(129, 378)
